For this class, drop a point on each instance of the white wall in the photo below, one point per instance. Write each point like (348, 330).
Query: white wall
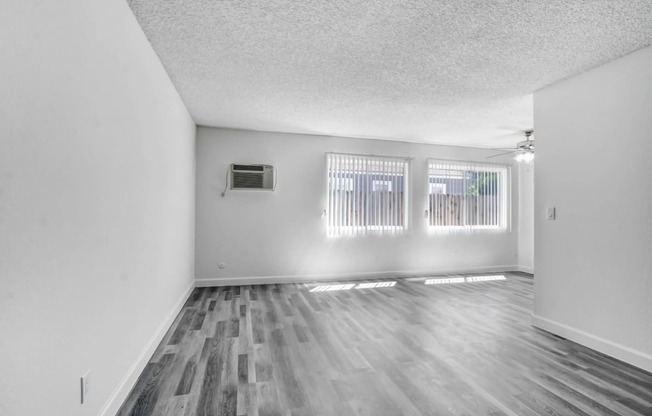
(96, 203)
(281, 234)
(526, 217)
(594, 264)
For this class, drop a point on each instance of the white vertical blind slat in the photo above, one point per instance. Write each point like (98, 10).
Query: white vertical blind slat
(340, 195)
(494, 192)
(385, 199)
(394, 193)
(336, 181)
(329, 184)
(405, 195)
(367, 202)
(347, 193)
(355, 196)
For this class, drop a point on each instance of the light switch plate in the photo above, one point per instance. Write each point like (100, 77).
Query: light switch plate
(550, 213)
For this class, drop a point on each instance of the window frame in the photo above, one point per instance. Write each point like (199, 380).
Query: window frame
(503, 192)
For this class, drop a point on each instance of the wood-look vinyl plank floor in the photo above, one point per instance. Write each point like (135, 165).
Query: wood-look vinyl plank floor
(409, 349)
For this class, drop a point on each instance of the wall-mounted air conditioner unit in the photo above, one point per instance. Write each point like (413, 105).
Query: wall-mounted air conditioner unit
(252, 177)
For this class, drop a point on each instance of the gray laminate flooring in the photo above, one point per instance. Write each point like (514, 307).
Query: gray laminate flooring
(404, 348)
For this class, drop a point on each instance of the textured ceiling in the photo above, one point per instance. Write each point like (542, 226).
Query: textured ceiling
(452, 72)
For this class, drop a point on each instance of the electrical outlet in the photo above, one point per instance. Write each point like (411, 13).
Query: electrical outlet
(85, 385)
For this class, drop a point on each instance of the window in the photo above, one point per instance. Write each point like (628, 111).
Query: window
(467, 196)
(366, 194)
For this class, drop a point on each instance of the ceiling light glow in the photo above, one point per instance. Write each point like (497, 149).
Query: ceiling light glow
(526, 156)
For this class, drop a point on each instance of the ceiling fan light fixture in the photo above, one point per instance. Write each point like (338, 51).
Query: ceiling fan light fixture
(524, 149)
(526, 157)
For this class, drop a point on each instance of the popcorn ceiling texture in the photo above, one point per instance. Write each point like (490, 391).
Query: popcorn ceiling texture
(450, 72)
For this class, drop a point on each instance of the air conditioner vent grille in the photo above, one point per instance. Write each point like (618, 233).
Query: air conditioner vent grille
(250, 168)
(244, 180)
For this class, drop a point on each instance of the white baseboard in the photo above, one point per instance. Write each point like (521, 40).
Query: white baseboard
(120, 394)
(262, 280)
(621, 352)
(525, 269)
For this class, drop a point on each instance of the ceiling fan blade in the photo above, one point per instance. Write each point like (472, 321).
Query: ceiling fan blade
(514, 128)
(506, 135)
(502, 154)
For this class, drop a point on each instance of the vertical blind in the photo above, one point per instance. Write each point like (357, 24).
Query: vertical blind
(366, 194)
(467, 196)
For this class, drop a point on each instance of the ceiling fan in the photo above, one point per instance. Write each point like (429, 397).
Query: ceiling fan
(524, 149)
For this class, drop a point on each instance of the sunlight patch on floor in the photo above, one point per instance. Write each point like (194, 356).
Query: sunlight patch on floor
(371, 285)
(468, 279)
